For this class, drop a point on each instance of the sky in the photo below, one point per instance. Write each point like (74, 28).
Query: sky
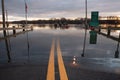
(47, 9)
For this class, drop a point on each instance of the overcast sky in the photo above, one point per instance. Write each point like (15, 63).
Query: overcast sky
(45, 9)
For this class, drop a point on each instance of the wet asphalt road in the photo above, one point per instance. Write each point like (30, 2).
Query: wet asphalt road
(98, 63)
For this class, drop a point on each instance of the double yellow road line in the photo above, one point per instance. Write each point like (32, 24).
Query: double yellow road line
(51, 68)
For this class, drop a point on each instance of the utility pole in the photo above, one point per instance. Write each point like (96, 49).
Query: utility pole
(86, 25)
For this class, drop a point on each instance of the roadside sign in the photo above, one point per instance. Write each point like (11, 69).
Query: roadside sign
(94, 19)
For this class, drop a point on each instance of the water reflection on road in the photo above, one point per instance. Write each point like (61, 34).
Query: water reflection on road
(71, 42)
(71, 39)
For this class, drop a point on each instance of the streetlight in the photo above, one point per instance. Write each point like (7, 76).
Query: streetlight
(84, 44)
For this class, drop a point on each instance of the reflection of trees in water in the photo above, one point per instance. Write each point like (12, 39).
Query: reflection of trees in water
(41, 25)
(51, 25)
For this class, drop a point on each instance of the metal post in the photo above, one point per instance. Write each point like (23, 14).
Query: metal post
(27, 32)
(3, 17)
(25, 13)
(7, 24)
(84, 44)
(109, 31)
(99, 29)
(14, 30)
(4, 31)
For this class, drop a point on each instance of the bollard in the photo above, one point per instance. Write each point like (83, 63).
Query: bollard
(31, 28)
(99, 29)
(23, 28)
(109, 31)
(14, 30)
(18, 25)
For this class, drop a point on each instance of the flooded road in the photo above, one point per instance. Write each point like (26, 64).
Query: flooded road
(98, 64)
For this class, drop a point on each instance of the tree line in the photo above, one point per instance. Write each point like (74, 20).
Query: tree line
(63, 21)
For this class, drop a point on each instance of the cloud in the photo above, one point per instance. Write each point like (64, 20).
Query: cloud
(60, 8)
(104, 5)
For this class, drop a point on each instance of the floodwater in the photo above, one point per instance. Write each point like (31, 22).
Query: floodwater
(71, 39)
(98, 57)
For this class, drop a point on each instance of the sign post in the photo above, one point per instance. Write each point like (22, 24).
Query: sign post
(86, 26)
(93, 24)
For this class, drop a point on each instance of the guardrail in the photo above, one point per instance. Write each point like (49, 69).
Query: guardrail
(108, 34)
(14, 30)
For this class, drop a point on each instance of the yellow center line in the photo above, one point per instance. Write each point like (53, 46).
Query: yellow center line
(51, 70)
(62, 71)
